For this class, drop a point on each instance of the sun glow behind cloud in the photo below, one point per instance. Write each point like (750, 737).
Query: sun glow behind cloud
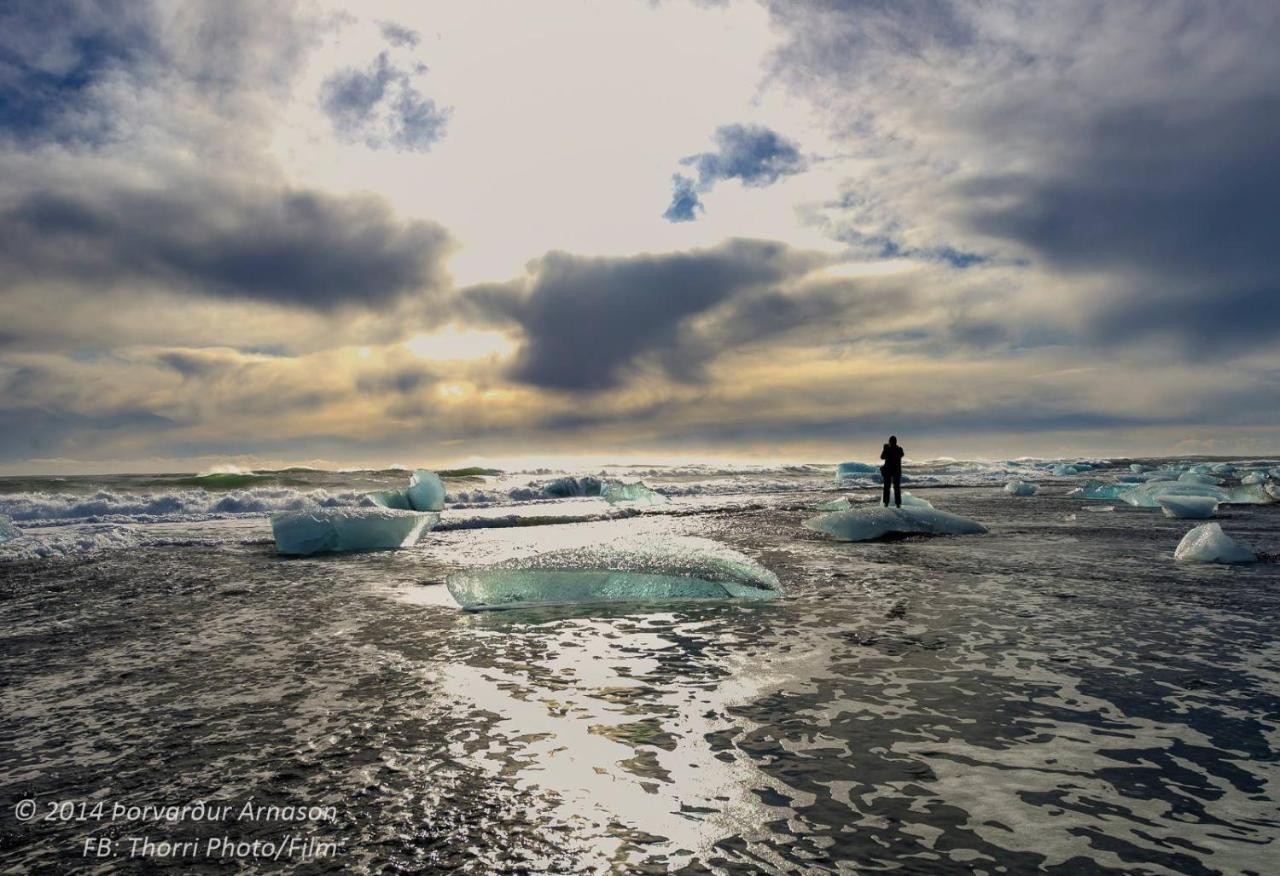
(455, 343)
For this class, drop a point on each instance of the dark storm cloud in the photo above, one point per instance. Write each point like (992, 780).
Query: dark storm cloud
(587, 321)
(1148, 173)
(1181, 206)
(54, 55)
(298, 248)
(27, 432)
(380, 106)
(752, 154)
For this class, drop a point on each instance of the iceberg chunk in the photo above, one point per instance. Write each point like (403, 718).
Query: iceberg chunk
(1251, 494)
(873, 522)
(910, 501)
(1207, 543)
(8, 531)
(426, 491)
(1059, 471)
(1188, 507)
(1145, 496)
(563, 488)
(841, 504)
(1020, 488)
(1254, 477)
(358, 529)
(1195, 477)
(397, 499)
(682, 567)
(1138, 467)
(853, 469)
(636, 493)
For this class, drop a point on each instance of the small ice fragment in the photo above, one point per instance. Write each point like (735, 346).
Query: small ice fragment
(1207, 543)
(1059, 471)
(1138, 467)
(1096, 509)
(841, 504)
(1020, 488)
(358, 529)
(8, 531)
(677, 568)
(873, 522)
(637, 493)
(910, 501)
(1254, 477)
(1188, 507)
(426, 491)
(1099, 490)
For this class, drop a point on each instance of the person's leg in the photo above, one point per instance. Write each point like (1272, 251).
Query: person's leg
(887, 479)
(897, 490)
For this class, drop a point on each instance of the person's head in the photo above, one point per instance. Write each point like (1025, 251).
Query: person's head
(893, 439)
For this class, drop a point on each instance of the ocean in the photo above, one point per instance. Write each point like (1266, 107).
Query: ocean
(1055, 696)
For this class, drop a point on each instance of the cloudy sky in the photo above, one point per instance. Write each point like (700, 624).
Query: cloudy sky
(440, 232)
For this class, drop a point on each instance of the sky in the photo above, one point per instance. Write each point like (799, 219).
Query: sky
(439, 233)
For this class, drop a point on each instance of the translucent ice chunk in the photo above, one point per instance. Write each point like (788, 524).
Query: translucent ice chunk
(1251, 494)
(674, 568)
(397, 499)
(841, 504)
(358, 529)
(563, 488)
(1188, 507)
(1207, 543)
(1059, 471)
(1254, 477)
(873, 522)
(910, 501)
(636, 493)
(1020, 488)
(854, 469)
(8, 531)
(1195, 477)
(426, 491)
(1145, 496)
(1138, 467)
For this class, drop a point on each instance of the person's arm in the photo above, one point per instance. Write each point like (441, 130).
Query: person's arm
(884, 452)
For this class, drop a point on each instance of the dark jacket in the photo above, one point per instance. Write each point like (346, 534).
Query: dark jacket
(892, 456)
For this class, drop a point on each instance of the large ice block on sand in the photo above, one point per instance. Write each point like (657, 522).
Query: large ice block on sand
(8, 531)
(636, 494)
(1020, 488)
(671, 569)
(426, 491)
(869, 523)
(348, 529)
(563, 488)
(1207, 543)
(1188, 507)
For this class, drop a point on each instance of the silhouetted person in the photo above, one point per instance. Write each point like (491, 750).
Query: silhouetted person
(892, 470)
